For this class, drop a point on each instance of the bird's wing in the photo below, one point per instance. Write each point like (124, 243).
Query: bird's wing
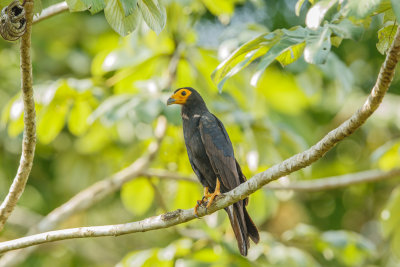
(219, 150)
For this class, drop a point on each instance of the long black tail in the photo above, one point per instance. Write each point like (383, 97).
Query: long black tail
(242, 225)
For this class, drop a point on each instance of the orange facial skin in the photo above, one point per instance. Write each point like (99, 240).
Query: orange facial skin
(179, 97)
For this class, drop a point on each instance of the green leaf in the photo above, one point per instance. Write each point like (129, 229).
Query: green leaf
(346, 29)
(51, 121)
(318, 46)
(396, 8)
(94, 6)
(108, 109)
(137, 196)
(317, 13)
(360, 8)
(220, 7)
(76, 5)
(385, 37)
(153, 14)
(268, 46)
(291, 54)
(187, 195)
(115, 16)
(77, 122)
(298, 6)
(129, 6)
(239, 59)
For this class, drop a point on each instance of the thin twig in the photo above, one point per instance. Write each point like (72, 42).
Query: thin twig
(51, 11)
(29, 138)
(290, 165)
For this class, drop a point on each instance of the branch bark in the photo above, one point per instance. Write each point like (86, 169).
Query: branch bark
(51, 11)
(290, 165)
(29, 138)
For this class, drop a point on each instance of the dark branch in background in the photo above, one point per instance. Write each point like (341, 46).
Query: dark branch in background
(51, 11)
(29, 138)
(290, 165)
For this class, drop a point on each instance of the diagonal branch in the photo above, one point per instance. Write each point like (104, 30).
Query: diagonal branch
(29, 138)
(51, 11)
(91, 195)
(290, 165)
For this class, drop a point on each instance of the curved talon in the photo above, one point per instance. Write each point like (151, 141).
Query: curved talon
(213, 195)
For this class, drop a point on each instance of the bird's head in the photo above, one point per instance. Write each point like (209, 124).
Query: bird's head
(182, 96)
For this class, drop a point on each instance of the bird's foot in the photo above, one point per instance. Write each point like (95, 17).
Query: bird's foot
(203, 200)
(198, 204)
(217, 192)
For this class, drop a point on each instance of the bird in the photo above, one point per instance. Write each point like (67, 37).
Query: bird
(212, 158)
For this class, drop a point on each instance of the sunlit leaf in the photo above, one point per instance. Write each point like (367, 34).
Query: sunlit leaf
(128, 6)
(94, 139)
(298, 6)
(221, 7)
(268, 46)
(153, 14)
(206, 255)
(386, 37)
(391, 158)
(94, 6)
(115, 16)
(76, 5)
(291, 54)
(317, 13)
(77, 121)
(108, 109)
(360, 8)
(187, 195)
(51, 122)
(137, 196)
(318, 46)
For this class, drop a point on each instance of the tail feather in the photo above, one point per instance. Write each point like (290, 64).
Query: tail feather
(242, 226)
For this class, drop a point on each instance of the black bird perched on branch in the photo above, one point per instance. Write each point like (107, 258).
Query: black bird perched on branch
(211, 156)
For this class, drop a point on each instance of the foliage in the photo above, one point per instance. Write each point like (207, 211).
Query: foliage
(98, 95)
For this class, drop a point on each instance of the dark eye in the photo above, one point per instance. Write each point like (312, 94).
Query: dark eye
(183, 93)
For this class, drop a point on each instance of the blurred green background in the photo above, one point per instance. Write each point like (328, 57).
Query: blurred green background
(98, 96)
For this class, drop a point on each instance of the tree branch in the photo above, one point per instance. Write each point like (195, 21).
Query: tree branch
(29, 138)
(290, 165)
(51, 11)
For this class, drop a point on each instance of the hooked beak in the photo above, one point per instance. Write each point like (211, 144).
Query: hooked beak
(171, 101)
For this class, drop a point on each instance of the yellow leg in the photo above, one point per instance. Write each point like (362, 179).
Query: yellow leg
(213, 195)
